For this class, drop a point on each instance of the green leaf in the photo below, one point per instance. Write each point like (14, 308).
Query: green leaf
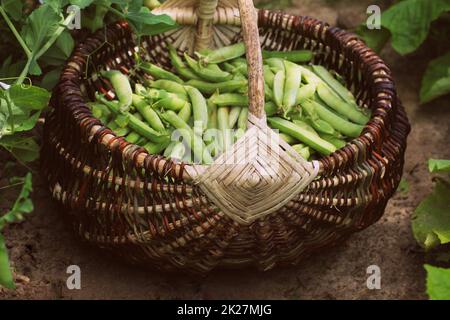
(438, 283)
(81, 3)
(40, 25)
(409, 22)
(29, 97)
(25, 149)
(439, 166)
(22, 205)
(436, 81)
(6, 278)
(60, 51)
(51, 78)
(375, 39)
(146, 23)
(13, 8)
(431, 220)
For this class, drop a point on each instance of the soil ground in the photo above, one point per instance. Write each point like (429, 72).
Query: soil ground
(43, 246)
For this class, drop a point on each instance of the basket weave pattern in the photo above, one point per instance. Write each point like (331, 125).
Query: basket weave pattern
(151, 210)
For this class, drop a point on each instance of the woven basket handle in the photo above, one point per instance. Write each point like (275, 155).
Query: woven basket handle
(249, 25)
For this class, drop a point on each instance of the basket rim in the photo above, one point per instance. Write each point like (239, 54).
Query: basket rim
(384, 92)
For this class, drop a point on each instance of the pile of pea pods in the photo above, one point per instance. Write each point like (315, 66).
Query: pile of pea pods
(197, 110)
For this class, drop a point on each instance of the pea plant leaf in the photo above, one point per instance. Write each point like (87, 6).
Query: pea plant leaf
(431, 221)
(438, 283)
(60, 51)
(436, 81)
(40, 25)
(439, 166)
(409, 22)
(22, 205)
(13, 8)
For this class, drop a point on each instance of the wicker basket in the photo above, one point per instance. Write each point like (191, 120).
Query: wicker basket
(153, 211)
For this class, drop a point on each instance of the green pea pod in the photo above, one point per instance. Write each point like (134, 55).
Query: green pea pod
(179, 65)
(199, 148)
(225, 53)
(212, 115)
(269, 76)
(158, 72)
(349, 111)
(321, 126)
(302, 135)
(156, 148)
(222, 87)
(305, 92)
(169, 86)
(291, 86)
(150, 115)
(270, 108)
(276, 64)
(278, 88)
(287, 138)
(122, 88)
(135, 124)
(167, 100)
(240, 66)
(268, 93)
(333, 84)
(223, 115)
(239, 133)
(302, 150)
(298, 56)
(338, 123)
(230, 99)
(169, 149)
(234, 116)
(205, 73)
(199, 106)
(337, 142)
(133, 137)
(243, 119)
(186, 112)
(306, 127)
(178, 151)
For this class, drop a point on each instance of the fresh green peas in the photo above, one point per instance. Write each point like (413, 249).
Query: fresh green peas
(178, 151)
(349, 111)
(302, 150)
(341, 125)
(206, 73)
(179, 65)
(291, 86)
(305, 92)
(234, 116)
(268, 76)
(170, 86)
(148, 113)
(158, 72)
(223, 116)
(222, 87)
(298, 56)
(199, 149)
(166, 100)
(186, 112)
(243, 119)
(199, 106)
(230, 99)
(278, 88)
(212, 115)
(276, 64)
(155, 148)
(225, 53)
(301, 134)
(270, 108)
(121, 86)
